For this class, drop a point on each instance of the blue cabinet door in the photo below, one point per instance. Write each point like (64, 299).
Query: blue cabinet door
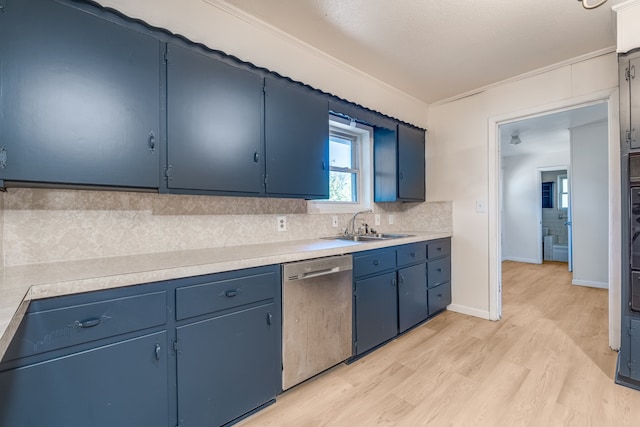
(80, 98)
(376, 306)
(296, 141)
(214, 120)
(399, 164)
(412, 296)
(122, 384)
(411, 164)
(227, 366)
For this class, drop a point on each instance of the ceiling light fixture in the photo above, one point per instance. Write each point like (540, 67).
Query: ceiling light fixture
(515, 139)
(592, 6)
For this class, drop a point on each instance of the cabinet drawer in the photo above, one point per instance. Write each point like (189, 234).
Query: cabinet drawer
(373, 263)
(438, 272)
(439, 298)
(63, 327)
(438, 248)
(217, 295)
(410, 254)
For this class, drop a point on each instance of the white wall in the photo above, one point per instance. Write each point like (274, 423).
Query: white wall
(520, 194)
(589, 196)
(220, 26)
(463, 163)
(628, 30)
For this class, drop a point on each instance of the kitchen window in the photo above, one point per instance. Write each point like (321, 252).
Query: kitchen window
(350, 168)
(344, 163)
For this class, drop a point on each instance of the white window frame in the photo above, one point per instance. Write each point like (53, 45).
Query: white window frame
(363, 135)
(560, 192)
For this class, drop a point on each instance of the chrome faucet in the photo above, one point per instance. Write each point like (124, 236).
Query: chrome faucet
(353, 220)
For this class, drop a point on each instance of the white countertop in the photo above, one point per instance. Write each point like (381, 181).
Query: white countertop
(19, 285)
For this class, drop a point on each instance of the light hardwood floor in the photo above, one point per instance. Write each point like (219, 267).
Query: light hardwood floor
(546, 363)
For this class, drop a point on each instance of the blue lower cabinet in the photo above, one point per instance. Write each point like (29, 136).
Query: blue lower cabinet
(397, 288)
(376, 311)
(227, 366)
(412, 296)
(121, 384)
(228, 345)
(439, 298)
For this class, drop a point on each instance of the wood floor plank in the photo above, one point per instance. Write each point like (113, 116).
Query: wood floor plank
(545, 363)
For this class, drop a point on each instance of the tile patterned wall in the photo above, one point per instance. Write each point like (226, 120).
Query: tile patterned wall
(554, 218)
(41, 225)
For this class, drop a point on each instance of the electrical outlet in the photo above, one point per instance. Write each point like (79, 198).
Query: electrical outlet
(377, 219)
(282, 223)
(334, 221)
(390, 219)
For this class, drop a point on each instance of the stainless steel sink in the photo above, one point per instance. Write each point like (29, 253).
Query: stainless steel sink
(393, 235)
(370, 237)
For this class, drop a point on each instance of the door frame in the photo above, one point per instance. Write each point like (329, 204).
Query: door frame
(539, 203)
(611, 97)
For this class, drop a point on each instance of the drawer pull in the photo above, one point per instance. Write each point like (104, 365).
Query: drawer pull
(89, 323)
(231, 294)
(269, 318)
(440, 270)
(413, 254)
(375, 262)
(157, 351)
(394, 282)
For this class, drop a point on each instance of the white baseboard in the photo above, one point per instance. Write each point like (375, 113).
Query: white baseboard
(469, 310)
(590, 284)
(517, 259)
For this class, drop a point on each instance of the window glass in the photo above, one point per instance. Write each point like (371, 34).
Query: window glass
(340, 152)
(342, 187)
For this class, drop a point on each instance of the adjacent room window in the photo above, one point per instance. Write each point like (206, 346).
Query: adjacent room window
(547, 195)
(350, 168)
(563, 192)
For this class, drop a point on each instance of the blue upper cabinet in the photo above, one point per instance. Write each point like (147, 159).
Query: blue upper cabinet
(296, 141)
(214, 122)
(399, 164)
(80, 98)
(411, 164)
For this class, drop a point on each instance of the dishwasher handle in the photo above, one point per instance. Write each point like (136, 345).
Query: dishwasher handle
(319, 273)
(319, 267)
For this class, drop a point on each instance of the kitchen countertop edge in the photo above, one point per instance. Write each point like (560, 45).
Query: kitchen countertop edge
(21, 284)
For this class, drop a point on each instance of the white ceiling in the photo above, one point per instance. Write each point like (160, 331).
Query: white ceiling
(548, 133)
(436, 49)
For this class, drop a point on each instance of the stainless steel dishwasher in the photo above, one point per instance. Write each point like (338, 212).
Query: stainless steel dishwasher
(317, 304)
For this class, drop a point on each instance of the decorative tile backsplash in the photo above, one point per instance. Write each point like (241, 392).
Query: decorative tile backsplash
(40, 225)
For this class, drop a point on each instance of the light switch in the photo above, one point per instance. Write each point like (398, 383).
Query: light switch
(481, 206)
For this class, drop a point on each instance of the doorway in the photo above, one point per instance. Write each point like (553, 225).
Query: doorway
(501, 129)
(555, 242)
